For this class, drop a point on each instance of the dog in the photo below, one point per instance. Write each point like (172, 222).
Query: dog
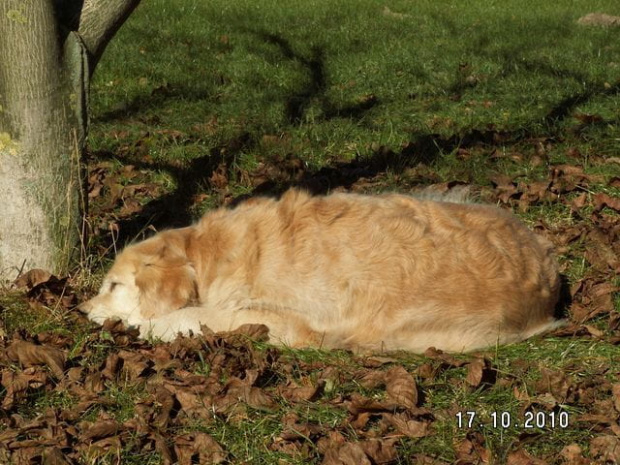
(360, 272)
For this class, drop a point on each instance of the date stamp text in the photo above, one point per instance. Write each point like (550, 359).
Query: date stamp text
(506, 420)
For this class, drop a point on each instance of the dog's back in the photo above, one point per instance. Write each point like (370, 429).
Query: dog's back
(391, 271)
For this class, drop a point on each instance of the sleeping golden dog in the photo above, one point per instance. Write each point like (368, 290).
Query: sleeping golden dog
(385, 272)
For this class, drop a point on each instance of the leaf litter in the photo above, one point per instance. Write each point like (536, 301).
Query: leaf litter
(119, 396)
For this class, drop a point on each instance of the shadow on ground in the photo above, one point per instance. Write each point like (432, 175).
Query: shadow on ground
(314, 85)
(158, 98)
(173, 208)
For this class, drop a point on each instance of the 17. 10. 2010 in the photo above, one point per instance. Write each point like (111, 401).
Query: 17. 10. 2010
(505, 420)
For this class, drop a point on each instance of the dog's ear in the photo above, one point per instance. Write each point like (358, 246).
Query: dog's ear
(168, 248)
(165, 277)
(164, 289)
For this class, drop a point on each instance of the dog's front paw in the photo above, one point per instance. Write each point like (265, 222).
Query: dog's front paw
(167, 329)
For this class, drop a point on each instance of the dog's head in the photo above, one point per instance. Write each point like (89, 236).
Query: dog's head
(147, 280)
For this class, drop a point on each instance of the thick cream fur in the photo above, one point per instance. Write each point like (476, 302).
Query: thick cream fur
(383, 272)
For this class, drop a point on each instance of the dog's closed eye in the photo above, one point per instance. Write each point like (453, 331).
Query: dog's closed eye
(114, 286)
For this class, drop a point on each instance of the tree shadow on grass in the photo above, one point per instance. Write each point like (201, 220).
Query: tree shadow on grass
(315, 84)
(428, 147)
(173, 209)
(158, 98)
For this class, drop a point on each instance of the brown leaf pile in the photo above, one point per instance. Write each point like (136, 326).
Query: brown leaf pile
(117, 194)
(172, 396)
(45, 289)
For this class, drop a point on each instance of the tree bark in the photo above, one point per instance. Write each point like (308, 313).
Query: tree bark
(99, 21)
(45, 69)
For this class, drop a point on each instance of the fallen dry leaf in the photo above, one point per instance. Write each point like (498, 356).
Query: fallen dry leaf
(615, 391)
(480, 371)
(591, 297)
(54, 456)
(556, 383)
(522, 457)
(380, 451)
(346, 454)
(209, 451)
(29, 354)
(296, 393)
(572, 455)
(401, 388)
(240, 390)
(606, 449)
(472, 449)
(134, 364)
(32, 278)
(408, 426)
(100, 429)
(604, 200)
(17, 385)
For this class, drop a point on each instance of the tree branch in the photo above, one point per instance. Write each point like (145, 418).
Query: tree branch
(99, 21)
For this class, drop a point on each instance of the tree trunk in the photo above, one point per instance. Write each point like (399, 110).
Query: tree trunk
(45, 68)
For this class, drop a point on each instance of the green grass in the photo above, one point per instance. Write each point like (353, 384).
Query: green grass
(334, 82)
(188, 85)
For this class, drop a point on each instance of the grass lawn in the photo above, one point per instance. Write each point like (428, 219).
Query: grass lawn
(200, 104)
